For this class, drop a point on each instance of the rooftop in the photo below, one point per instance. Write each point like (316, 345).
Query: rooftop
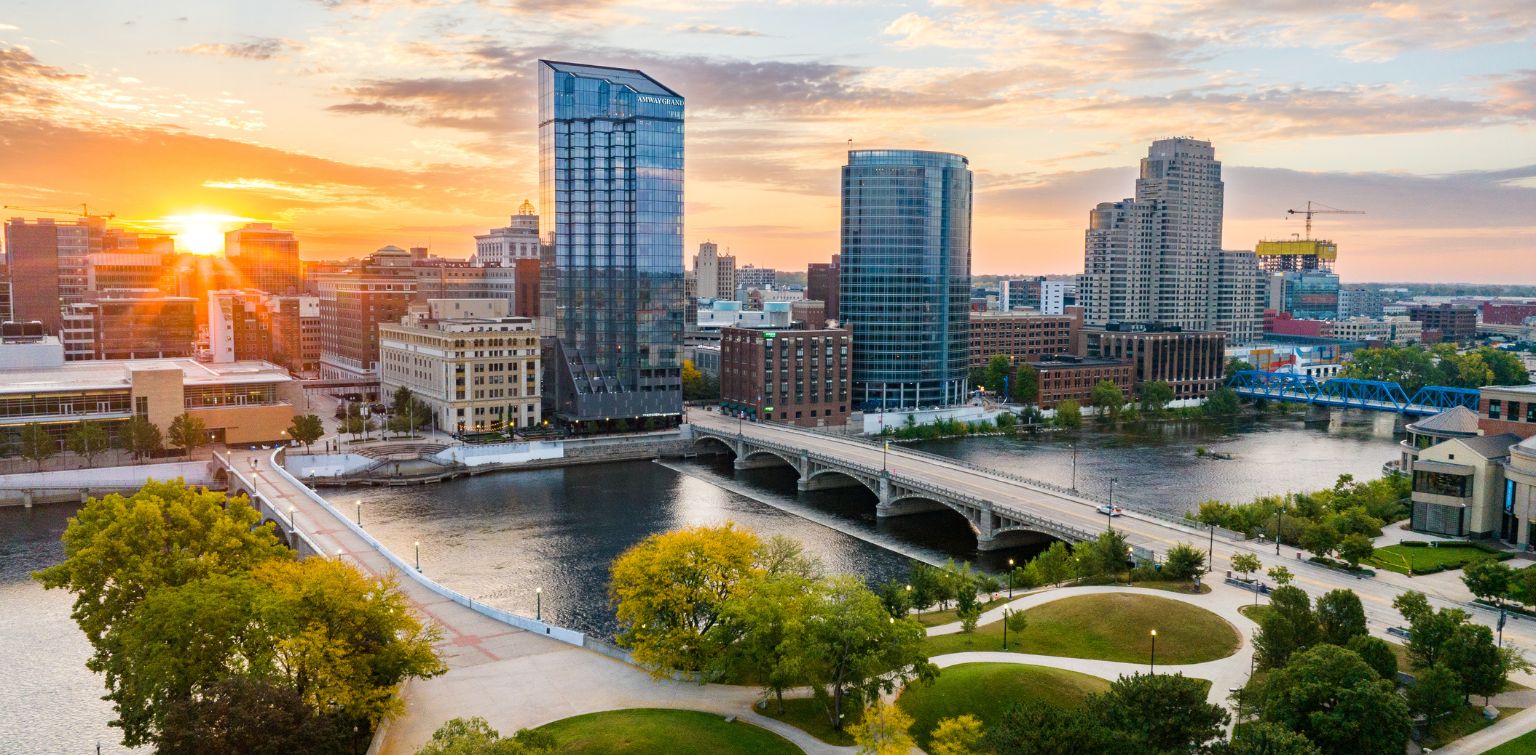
(117, 373)
(1491, 446)
(633, 78)
(1527, 388)
(1452, 422)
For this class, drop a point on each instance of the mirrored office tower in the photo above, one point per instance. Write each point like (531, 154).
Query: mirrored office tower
(611, 175)
(905, 287)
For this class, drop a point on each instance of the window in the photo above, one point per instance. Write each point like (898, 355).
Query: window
(1493, 408)
(1441, 483)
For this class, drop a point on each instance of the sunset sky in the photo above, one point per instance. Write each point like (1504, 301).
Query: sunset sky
(360, 123)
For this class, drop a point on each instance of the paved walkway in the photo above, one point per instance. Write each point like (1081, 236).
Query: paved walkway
(511, 677)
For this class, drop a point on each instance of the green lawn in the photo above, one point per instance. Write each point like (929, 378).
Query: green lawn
(1255, 612)
(809, 716)
(1461, 723)
(1110, 627)
(659, 730)
(1399, 558)
(950, 616)
(988, 690)
(1525, 744)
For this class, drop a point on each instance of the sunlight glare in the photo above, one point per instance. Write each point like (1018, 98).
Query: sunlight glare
(201, 233)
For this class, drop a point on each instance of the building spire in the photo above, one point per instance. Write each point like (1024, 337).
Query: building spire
(526, 208)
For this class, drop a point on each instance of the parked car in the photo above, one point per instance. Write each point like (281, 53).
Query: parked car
(1109, 510)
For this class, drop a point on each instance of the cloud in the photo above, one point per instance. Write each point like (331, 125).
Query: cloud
(29, 84)
(1515, 93)
(727, 31)
(263, 48)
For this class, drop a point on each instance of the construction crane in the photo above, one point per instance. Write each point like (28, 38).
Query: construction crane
(1309, 212)
(83, 213)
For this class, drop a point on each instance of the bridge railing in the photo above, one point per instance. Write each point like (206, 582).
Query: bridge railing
(259, 501)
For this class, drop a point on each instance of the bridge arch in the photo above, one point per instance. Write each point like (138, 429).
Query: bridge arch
(824, 477)
(757, 456)
(711, 444)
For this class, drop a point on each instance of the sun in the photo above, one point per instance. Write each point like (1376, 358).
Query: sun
(201, 233)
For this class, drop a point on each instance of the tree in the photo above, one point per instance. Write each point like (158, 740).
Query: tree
(1069, 416)
(1054, 565)
(996, 373)
(896, 597)
(1106, 555)
(37, 444)
(1234, 366)
(1263, 738)
(1505, 366)
(1245, 564)
(1184, 562)
(1435, 693)
(88, 439)
(765, 613)
(1016, 622)
(1340, 617)
(1355, 548)
(883, 730)
(1430, 631)
(1489, 579)
(1108, 398)
(1156, 395)
(1411, 605)
(1376, 653)
(248, 714)
(1523, 586)
(188, 433)
(142, 437)
(960, 735)
(928, 585)
(1026, 385)
(1321, 539)
(475, 736)
(1169, 711)
(306, 429)
(1223, 402)
(1281, 575)
(671, 590)
(1034, 727)
(1474, 657)
(1334, 699)
(850, 647)
(1287, 629)
(407, 413)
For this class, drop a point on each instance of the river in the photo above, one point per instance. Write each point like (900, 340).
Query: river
(498, 538)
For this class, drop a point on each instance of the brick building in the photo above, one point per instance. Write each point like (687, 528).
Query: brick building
(1189, 361)
(1022, 336)
(1066, 377)
(800, 377)
(1456, 322)
(1507, 409)
(821, 282)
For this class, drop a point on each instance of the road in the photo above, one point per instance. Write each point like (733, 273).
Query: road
(1150, 532)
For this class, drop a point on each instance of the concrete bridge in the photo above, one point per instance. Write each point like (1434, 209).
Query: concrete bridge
(998, 521)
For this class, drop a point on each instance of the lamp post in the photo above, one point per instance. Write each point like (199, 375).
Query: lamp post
(418, 554)
(359, 512)
(538, 605)
(1010, 593)
(1154, 652)
(293, 525)
(1278, 514)
(1210, 552)
(1074, 467)
(1005, 629)
(1109, 515)
(885, 448)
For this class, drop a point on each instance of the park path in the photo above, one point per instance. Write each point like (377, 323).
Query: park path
(511, 677)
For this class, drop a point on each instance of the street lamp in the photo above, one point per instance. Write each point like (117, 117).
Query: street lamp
(1154, 652)
(1279, 512)
(1005, 629)
(1010, 595)
(359, 512)
(1074, 467)
(885, 448)
(418, 555)
(538, 606)
(1109, 514)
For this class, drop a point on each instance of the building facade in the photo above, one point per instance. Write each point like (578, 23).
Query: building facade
(1459, 487)
(1393, 330)
(1021, 336)
(800, 377)
(752, 276)
(519, 240)
(1192, 363)
(264, 258)
(1456, 322)
(1239, 293)
(123, 326)
(1308, 294)
(611, 173)
(46, 261)
(1507, 409)
(1065, 377)
(474, 365)
(906, 275)
(353, 303)
(822, 280)
(714, 273)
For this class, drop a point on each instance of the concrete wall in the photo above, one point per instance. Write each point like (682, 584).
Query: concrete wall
(967, 414)
(325, 465)
(67, 485)
(503, 453)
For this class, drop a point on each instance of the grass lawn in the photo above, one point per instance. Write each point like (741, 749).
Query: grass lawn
(1255, 612)
(988, 690)
(1460, 724)
(951, 615)
(658, 730)
(1398, 558)
(1179, 586)
(1525, 744)
(1401, 651)
(1110, 627)
(808, 715)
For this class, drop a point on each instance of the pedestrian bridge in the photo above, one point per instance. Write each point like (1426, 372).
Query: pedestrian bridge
(996, 523)
(1350, 393)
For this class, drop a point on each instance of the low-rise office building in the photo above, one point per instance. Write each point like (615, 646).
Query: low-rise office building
(1069, 377)
(1457, 422)
(130, 325)
(476, 367)
(1456, 322)
(801, 377)
(1519, 495)
(1507, 409)
(1022, 336)
(1191, 362)
(1459, 487)
(1392, 330)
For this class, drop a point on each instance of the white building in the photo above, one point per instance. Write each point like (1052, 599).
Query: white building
(727, 314)
(476, 367)
(1396, 330)
(1053, 297)
(519, 240)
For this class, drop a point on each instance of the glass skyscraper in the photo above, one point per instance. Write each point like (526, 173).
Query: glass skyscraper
(611, 175)
(905, 287)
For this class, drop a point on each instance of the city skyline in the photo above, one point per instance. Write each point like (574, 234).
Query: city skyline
(358, 125)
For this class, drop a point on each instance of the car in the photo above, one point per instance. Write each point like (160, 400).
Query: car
(1109, 510)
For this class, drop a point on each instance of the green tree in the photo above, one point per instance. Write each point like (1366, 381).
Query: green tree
(996, 372)
(1069, 415)
(1412, 605)
(1223, 402)
(896, 597)
(1026, 385)
(475, 736)
(1435, 694)
(188, 433)
(37, 444)
(1106, 555)
(1288, 628)
(765, 614)
(1108, 398)
(88, 439)
(850, 648)
(1523, 587)
(1234, 366)
(1168, 711)
(1505, 366)
(1281, 575)
(252, 716)
(1321, 539)
(1156, 395)
(1472, 654)
(1016, 621)
(306, 429)
(1377, 653)
(1409, 366)
(142, 437)
(1489, 579)
(960, 735)
(1340, 617)
(883, 730)
(1034, 727)
(1355, 548)
(928, 585)
(671, 591)
(1054, 564)
(1184, 562)
(1429, 631)
(1263, 738)
(1334, 699)
(1245, 564)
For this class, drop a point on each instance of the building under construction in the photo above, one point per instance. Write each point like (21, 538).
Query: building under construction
(1296, 255)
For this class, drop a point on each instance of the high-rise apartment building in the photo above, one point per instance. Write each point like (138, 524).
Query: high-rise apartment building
(1238, 297)
(264, 258)
(905, 285)
(1295, 255)
(519, 240)
(714, 273)
(611, 176)
(822, 283)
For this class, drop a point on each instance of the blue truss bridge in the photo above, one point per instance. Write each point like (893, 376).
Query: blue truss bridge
(1350, 393)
